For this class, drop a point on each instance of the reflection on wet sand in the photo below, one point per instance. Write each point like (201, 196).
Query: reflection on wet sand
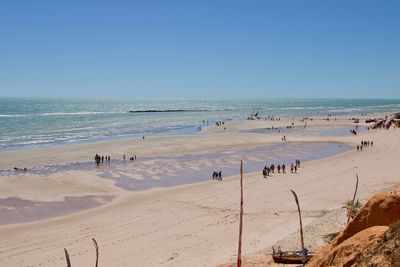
(17, 210)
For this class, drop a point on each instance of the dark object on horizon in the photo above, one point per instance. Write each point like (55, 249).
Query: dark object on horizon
(167, 110)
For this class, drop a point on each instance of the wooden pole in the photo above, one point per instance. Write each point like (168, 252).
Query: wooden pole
(67, 258)
(97, 251)
(301, 228)
(354, 198)
(239, 258)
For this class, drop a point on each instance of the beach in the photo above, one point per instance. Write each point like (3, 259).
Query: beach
(164, 209)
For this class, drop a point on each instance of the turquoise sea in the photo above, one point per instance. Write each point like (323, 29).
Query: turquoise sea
(29, 122)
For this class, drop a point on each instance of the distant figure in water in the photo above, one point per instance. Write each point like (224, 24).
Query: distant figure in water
(97, 159)
(124, 156)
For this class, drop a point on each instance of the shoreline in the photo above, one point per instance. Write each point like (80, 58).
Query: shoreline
(188, 222)
(18, 154)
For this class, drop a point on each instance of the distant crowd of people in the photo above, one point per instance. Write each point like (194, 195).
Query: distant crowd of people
(20, 169)
(364, 144)
(353, 132)
(271, 169)
(130, 158)
(272, 118)
(217, 175)
(100, 159)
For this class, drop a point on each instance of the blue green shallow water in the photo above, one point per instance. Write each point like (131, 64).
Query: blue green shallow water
(28, 122)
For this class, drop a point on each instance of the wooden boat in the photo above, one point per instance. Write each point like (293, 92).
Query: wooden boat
(290, 257)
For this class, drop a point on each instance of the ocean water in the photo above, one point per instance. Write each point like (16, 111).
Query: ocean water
(32, 122)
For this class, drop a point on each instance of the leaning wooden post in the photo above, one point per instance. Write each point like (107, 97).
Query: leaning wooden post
(301, 228)
(352, 203)
(67, 258)
(239, 258)
(97, 251)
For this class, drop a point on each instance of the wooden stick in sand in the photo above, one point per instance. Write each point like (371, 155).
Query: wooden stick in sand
(97, 254)
(239, 258)
(352, 202)
(67, 258)
(97, 251)
(301, 228)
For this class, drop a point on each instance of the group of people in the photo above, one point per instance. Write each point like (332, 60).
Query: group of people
(363, 144)
(130, 158)
(217, 175)
(20, 169)
(100, 159)
(272, 118)
(353, 132)
(271, 169)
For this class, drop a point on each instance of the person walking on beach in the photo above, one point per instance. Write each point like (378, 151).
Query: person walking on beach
(96, 159)
(265, 171)
(279, 168)
(295, 169)
(358, 147)
(220, 175)
(291, 168)
(283, 168)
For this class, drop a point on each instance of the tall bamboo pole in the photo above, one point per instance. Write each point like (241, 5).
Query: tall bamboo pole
(239, 258)
(67, 258)
(352, 202)
(97, 251)
(301, 228)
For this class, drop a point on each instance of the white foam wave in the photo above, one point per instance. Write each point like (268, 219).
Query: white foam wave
(59, 114)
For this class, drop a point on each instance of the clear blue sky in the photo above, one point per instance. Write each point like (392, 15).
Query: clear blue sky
(333, 48)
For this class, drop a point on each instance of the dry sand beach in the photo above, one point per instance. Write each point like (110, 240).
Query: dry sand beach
(164, 210)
